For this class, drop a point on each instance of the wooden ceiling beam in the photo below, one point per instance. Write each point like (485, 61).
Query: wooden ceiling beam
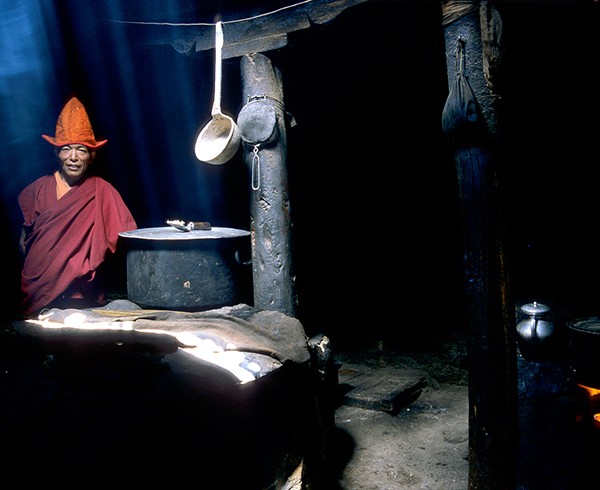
(256, 34)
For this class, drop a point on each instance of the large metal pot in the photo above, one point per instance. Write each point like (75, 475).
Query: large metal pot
(584, 346)
(188, 270)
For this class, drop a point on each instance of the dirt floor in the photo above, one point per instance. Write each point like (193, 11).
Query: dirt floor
(422, 446)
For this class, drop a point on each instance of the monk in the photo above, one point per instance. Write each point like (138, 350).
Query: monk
(71, 222)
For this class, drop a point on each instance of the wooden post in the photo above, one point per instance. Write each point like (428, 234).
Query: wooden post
(270, 218)
(491, 343)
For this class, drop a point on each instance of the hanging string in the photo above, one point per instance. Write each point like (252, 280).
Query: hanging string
(196, 24)
(459, 57)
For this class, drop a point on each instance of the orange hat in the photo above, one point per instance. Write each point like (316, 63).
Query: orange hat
(74, 127)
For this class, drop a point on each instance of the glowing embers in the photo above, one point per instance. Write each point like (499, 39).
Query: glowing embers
(591, 410)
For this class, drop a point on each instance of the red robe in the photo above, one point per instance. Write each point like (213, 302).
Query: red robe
(67, 239)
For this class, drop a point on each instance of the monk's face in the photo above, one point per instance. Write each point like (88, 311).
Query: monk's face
(74, 161)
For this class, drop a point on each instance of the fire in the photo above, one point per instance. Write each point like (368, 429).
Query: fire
(593, 397)
(593, 392)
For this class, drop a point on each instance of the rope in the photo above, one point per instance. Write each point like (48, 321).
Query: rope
(453, 10)
(196, 24)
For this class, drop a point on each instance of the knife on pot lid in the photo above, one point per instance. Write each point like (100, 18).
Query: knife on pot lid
(191, 225)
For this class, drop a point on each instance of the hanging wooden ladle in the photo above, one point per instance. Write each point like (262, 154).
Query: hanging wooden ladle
(220, 138)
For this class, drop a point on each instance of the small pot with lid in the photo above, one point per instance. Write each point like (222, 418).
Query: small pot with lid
(535, 333)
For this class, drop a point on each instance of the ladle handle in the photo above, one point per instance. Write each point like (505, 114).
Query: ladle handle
(216, 108)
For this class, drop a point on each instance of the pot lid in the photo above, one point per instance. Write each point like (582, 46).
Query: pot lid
(586, 325)
(534, 308)
(170, 233)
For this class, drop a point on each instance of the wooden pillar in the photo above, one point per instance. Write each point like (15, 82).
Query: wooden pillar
(270, 218)
(491, 330)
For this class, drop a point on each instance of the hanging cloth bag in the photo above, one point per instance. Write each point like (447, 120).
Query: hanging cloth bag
(460, 117)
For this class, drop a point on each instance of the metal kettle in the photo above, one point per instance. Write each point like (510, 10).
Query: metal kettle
(535, 334)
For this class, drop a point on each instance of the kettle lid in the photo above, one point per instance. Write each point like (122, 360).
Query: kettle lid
(534, 308)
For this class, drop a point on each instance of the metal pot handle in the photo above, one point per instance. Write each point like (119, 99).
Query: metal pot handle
(216, 108)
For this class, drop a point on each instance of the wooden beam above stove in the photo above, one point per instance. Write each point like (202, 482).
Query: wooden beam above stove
(252, 34)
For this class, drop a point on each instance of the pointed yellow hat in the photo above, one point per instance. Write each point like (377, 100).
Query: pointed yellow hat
(74, 127)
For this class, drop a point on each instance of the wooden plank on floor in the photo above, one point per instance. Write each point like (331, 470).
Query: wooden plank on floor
(383, 390)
